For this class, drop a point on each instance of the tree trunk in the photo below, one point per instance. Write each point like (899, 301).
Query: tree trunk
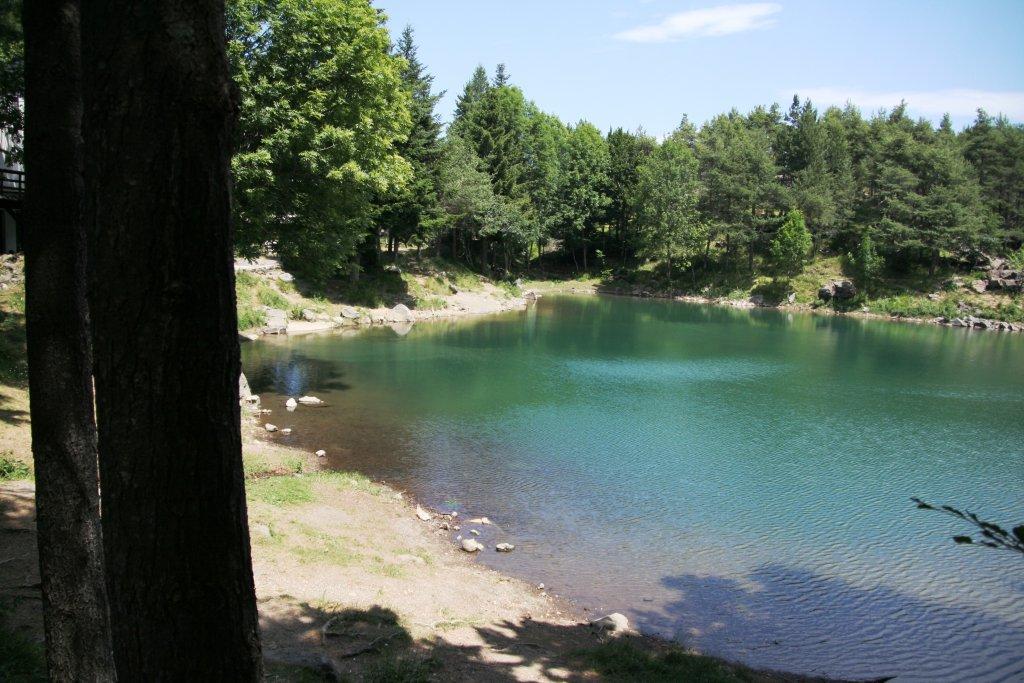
(158, 118)
(75, 611)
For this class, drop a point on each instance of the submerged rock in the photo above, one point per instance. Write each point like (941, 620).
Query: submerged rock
(286, 431)
(480, 520)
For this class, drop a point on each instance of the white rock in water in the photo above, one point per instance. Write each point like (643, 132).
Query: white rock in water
(291, 404)
(474, 532)
(422, 514)
(504, 547)
(471, 546)
(614, 623)
(270, 428)
(286, 431)
(480, 520)
(321, 453)
(310, 401)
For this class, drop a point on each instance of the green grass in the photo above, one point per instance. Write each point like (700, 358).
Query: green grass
(21, 659)
(280, 491)
(13, 470)
(319, 547)
(254, 294)
(13, 365)
(620, 660)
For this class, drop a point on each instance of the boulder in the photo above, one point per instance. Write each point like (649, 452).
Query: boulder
(400, 314)
(310, 401)
(349, 312)
(308, 315)
(471, 546)
(277, 321)
(244, 393)
(844, 289)
(979, 286)
(791, 298)
(504, 547)
(826, 292)
(613, 624)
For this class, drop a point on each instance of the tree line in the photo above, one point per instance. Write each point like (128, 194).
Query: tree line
(341, 163)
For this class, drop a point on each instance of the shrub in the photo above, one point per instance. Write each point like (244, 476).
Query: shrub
(11, 469)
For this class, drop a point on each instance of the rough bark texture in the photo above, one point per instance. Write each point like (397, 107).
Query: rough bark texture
(60, 388)
(158, 115)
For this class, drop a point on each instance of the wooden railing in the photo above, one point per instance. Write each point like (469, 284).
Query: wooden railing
(12, 183)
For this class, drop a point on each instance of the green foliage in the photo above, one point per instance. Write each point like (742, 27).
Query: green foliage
(667, 188)
(12, 469)
(13, 364)
(620, 660)
(323, 109)
(792, 244)
(866, 262)
(1016, 259)
(12, 77)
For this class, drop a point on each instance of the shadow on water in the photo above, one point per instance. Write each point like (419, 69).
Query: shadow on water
(861, 632)
(294, 374)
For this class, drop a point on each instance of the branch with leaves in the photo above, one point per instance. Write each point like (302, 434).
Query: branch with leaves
(992, 535)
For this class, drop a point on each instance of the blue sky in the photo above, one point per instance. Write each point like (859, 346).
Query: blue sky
(646, 63)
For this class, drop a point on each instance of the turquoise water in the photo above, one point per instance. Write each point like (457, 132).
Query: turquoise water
(738, 480)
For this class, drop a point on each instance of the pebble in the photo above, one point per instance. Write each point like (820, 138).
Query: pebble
(270, 428)
(321, 453)
(474, 532)
(421, 513)
(480, 520)
(286, 431)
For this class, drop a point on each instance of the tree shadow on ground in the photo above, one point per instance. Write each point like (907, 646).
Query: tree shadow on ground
(779, 615)
(305, 642)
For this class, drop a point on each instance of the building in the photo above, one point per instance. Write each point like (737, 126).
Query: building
(12, 191)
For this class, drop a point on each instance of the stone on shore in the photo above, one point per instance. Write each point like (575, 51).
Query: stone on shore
(270, 428)
(400, 314)
(349, 312)
(291, 404)
(321, 453)
(471, 546)
(613, 624)
(277, 321)
(423, 514)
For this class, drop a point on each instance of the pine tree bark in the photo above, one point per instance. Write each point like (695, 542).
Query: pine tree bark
(77, 627)
(157, 127)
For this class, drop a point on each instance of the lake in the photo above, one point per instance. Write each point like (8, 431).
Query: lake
(737, 480)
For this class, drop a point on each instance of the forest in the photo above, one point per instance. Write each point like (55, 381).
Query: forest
(341, 164)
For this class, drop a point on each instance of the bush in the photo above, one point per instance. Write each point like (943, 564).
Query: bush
(792, 244)
(11, 469)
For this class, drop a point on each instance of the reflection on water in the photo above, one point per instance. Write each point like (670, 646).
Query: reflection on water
(738, 480)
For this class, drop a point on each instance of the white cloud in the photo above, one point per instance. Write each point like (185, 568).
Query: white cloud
(956, 102)
(712, 21)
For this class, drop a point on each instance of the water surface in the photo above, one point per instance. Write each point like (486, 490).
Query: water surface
(737, 480)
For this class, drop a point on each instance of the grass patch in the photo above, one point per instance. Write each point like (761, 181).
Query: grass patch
(351, 481)
(253, 294)
(280, 491)
(12, 469)
(13, 364)
(620, 660)
(317, 547)
(21, 659)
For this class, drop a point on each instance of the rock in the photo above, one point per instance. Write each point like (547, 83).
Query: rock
(844, 289)
(979, 286)
(471, 546)
(757, 299)
(934, 297)
(286, 277)
(270, 428)
(392, 268)
(243, 388)
(504, 547)
(480, 520)
(613, 624)
(474, 532)
(423, 514)
(308, 315)
(826, 292)
(321, 453)
(400, 314)
(291, 404)
(286, 431)
(310, 401)
(262, 530)
(277, 321)
(531, 295)
(791, 298)
(349, 312)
